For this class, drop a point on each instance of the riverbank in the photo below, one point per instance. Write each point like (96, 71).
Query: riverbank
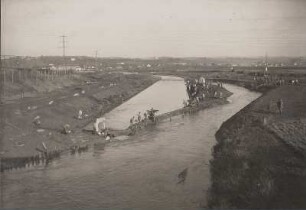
(208, 103)
(213, 95)
(259, 160)
(29, 148)
(95, 94)
(161, 152)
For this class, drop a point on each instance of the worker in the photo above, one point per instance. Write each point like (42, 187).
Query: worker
(80, 115)
(132, 120)
(37, 121)
(220, 95)
(145, 118)
(139, 117)
(96, 125)
(145, 115)
(280, 106)
(185, 103)
(66, 129)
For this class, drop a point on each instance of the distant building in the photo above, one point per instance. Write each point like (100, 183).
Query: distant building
(182, 64)
(63, 68)
(89, 68)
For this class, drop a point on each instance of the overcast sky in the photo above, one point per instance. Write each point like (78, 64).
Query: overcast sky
(148, 28)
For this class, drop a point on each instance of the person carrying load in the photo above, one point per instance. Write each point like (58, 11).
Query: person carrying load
(151, 114)
(97, 130)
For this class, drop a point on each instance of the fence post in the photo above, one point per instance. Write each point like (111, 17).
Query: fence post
(3, 76)
(12, 76)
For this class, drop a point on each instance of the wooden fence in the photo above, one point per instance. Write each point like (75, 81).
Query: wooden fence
(10, 75)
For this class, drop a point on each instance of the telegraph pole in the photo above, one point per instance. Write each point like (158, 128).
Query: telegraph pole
(64, 51)
(96, 60)
(63, 44)
(266, 63)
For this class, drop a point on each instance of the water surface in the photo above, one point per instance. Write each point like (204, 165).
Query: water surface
(140, 172)
(165, 95)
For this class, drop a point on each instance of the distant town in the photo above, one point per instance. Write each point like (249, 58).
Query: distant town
(86, 64)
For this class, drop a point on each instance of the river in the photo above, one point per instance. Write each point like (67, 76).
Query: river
(140, 172)
(165, 95)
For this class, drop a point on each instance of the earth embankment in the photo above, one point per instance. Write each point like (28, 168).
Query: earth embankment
(259, 160)
(94, 94)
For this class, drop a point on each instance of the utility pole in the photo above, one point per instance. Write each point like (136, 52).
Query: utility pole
(64, 51)
(64, 44)
(96, 60)
(266, 59)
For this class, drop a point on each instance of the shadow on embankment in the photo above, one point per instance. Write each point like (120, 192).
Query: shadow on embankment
(254, 168)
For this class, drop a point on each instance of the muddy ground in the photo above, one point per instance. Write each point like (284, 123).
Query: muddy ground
(57, 104)
(260, 158)
(23, 142)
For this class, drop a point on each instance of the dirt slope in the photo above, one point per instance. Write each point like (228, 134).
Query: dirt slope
(259, 160)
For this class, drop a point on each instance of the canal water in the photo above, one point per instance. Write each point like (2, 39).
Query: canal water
(139, 173)
(158, 96)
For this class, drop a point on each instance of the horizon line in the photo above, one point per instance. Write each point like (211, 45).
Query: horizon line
(158, 57)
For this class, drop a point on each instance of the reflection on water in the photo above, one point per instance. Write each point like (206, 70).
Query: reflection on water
(140, 172)
(159, 96)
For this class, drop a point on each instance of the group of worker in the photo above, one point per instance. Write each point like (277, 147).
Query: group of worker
(194, 86)
(148, 115)
(138, 118)
(273, 80)
(294, 82)
(81, 115)
(199, 89)
(96, 129)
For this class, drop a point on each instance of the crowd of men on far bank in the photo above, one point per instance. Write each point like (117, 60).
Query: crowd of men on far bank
(270, 80)
(199, 89)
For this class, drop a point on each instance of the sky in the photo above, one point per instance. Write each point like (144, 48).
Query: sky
(154, 28)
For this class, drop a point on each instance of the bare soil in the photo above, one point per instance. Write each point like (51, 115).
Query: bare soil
(94, 94)
(260, 158)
